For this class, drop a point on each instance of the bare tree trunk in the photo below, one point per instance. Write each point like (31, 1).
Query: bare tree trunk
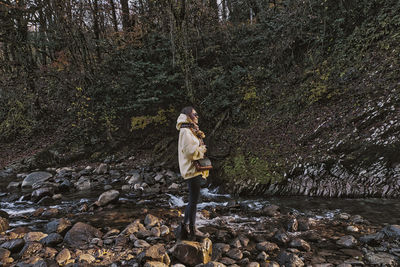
(96, 27)
(114, 15)
(125, 15)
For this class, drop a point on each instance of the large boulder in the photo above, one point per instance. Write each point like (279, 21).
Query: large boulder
(36, 177)
(14, 245)
(107, 198)
(81, 234)
(193, 253)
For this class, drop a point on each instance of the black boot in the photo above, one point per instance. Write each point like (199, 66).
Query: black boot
(183, 231)
(196, 233)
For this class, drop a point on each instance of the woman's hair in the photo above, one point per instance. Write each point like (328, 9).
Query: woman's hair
(187, 110)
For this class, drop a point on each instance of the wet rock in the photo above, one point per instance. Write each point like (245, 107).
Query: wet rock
(155, 231)
(290, 259)
(108, 197)
(30, 249)
(45, 201)
(52, 240)
(164, 230)
(151, 221)
(155, 253)
(126, 188)
(262, 256)
(41, 192)
(193, 253)
(4, 253)
(81, 234)
(300, 244)
(281, 237)
(5, 174)
(236, 243)
(267, 246)
(347, 241)
(372, 238)
(57, 197)
(14, 245)
(227, 261)
(155, 264)
(101, 169)
(133, 228)
(34, 236)
(354, 253)
(141, 244)
(86, 258)
(292, 225)
(50, 252)
(135, 178)
(272, 264)
(110, 233)
(83, 184)
(60, 226)
(107, 187)
(235, 254)
(344, 216)
(4, 226)
(173, 186)
(304, 224)
(271, 210)
(253, 264)
(64, 186)
(392, 231)
(381, 259)
(63, 256)
(14, 185)
(352, 229)
(35, 177)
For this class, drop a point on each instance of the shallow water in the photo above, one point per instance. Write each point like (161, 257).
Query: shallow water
(377, 211)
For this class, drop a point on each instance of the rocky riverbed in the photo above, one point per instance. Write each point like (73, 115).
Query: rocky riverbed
(120, 213)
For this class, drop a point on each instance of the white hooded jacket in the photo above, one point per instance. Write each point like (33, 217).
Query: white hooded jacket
(188, 150)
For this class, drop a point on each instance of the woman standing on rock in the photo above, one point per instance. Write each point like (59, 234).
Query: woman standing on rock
(190, 149)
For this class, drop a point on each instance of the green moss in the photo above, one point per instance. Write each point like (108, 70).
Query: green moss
(251, 168)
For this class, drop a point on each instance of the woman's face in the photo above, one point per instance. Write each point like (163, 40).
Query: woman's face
(194, 116)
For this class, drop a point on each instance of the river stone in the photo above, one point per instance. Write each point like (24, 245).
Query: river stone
(36, 177)
(101, 169)
(262, 256)
(227, 261)
(5, 174)
(381, 259)
(235, 254)
(281, 237)
(392, 231)
(52, 240)
(267, 246)
(164, 230)
(292, 225)
(4, 226)
(63, 256)
(86, 258)
(14, 185)
(151, 221)
(60, 226)
(14, 245)
(4, 253)
(41, 192)
(352, 229)
(300, 244)
(271, 210)
(81, 234)
(193, 253)
(107, 198)
(30, 249)
(290, 259)
(224, 248)
(125, 187)
(135, 178)
(50, 252)
(155, 264)
(34, 236)
(83, 183)
(347, 241)
(212, 264)
(133, 228)
(139, 243)
(155, 253)
(372, 238)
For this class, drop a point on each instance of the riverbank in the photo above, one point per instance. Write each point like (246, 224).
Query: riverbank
(122, 212)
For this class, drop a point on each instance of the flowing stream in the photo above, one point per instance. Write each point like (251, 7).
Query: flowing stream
(377, 211)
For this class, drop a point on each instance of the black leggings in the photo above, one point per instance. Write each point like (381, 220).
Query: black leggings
(194, 185)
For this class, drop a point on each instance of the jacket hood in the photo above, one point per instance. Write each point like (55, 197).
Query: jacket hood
(181, 119)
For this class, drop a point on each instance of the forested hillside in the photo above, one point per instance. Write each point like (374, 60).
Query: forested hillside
(296, 97)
